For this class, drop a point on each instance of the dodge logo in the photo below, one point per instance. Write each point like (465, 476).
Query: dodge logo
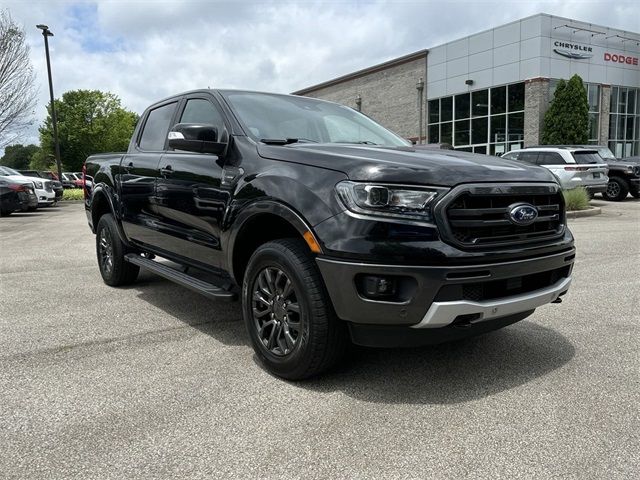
(523, 214)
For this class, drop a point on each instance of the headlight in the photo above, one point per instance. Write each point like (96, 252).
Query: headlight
(38, 184)
(398, 201)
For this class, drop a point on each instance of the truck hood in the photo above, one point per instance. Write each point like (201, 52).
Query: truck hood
(406, 165)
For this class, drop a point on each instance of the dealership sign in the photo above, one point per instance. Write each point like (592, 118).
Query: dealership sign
(573, 50)
(578, 51)
(616, 58)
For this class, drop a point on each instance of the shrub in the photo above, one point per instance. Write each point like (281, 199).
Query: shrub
(576, 199)
(567, 120)
(72, 194)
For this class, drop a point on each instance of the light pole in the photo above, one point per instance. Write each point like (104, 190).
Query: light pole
(46, 33)
(420, 88)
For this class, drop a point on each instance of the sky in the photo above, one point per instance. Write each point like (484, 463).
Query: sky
(145, 50)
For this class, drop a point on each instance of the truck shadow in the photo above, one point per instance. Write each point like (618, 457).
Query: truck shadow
(439, 374)
(219, 319)
(450, 373)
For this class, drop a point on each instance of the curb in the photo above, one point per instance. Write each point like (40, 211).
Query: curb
(590, 212)
(66, 202)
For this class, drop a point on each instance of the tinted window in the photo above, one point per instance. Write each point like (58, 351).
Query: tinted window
(550, 158)
(199, 110)
(587, 157)
(156, 128)
(529, 157)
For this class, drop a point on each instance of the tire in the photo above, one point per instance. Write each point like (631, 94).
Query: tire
(635, 193)
(5, 213)
(617, 189)
(288, 313)
(32, 209)
(110, 252)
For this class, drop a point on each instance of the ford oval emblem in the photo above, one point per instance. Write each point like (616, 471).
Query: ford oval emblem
(523, 214)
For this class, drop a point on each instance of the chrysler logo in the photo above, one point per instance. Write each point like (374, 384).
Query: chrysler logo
(573, 50)
(523, 214)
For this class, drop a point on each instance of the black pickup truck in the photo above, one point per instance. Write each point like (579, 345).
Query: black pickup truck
(329, 228)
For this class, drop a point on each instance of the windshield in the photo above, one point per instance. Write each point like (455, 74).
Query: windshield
(587, 157)
(6, 171)
(272, 117)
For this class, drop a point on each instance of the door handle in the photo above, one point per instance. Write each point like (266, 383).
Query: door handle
(166, 170)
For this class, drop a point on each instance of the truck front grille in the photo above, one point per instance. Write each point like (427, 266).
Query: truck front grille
(477, 216)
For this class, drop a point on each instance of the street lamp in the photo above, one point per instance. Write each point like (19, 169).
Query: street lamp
(46, 33)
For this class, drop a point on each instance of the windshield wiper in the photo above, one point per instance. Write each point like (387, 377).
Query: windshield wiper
(360, 142)
(286, 141)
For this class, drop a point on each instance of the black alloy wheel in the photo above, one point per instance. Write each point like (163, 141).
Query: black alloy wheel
(110, 251)
(287, 311)
(276, 311)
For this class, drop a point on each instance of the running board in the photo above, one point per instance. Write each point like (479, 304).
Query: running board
(207, 289)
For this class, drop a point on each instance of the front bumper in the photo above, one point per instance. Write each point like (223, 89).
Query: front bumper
(441, 314)
(437, 296)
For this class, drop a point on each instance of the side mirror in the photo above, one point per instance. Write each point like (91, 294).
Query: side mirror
(196, 137)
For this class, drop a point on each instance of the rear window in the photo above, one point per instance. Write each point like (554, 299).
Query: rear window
(587, 157)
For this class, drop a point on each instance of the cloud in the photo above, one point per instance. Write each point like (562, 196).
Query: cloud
(145, 50)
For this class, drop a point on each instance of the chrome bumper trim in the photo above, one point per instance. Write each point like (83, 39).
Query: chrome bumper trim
(441, 314)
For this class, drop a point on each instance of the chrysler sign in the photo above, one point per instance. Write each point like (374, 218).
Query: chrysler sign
(573, 50)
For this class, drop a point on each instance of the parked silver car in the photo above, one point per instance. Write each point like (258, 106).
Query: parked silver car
(573, 167)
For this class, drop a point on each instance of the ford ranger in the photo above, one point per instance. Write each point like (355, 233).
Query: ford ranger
(329, 228)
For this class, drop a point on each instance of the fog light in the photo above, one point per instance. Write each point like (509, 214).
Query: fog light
(375, 287)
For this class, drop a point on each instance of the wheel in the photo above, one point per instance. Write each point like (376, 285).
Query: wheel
(110, 251)
(5, 213)
(635, 193)
(617, 189)
(288, 314)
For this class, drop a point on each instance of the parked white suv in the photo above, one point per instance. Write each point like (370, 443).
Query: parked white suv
(43, 188)
(573, 167)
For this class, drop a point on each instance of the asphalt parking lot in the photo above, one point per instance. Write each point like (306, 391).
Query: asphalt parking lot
(154, 381)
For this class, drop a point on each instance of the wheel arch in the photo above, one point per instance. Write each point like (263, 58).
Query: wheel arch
(259, 223)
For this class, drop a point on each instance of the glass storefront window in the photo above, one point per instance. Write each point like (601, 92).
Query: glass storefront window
(446, 109)
(498, 129)
(516, 97)
(480, 103)
(462, 106)
(486, 121)
(479, 128)
(593, 94)
(434, 111)
(613, 107)
(445, 133)
(462, 132)
(515, 123)
(434, 133)
(631, 101)
(498, 100)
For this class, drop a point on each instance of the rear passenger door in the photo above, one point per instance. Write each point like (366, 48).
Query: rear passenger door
(138, 172)
(190, 200)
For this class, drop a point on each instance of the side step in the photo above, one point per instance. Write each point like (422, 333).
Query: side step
(207, 289)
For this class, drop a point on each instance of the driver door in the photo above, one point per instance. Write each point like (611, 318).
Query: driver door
(190, 202)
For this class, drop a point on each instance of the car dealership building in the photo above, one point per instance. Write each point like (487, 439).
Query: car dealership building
(488, 92)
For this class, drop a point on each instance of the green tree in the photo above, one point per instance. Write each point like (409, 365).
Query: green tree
(567, 120)
(18, 156)
(89, 121)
